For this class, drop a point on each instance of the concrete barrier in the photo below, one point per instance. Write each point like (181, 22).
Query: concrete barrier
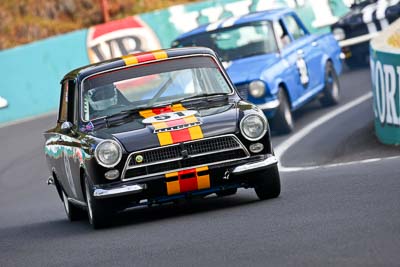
(30, 74)
(385, 75)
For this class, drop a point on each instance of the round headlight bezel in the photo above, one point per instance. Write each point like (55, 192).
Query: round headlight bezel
(339, 34)
(242, 127)
(98, 157)
(257, 86)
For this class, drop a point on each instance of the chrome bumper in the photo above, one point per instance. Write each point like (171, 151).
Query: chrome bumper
(254, 166)
(269, 105)
(100, 193)
(118, 191)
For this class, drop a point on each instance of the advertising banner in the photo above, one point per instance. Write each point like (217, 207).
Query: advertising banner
(385, 75)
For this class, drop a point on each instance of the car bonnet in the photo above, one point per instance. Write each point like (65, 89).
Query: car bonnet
(173, 124)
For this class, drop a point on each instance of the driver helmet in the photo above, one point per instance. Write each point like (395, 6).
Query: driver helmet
(101, 98)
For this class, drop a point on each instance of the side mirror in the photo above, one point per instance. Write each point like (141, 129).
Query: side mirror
(66, 127)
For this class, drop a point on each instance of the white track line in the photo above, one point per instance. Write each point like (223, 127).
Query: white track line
(285, 145)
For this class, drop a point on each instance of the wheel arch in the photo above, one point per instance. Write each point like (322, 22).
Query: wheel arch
(283, 85)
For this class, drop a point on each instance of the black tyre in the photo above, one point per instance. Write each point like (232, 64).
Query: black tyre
(331, 93)
(73, 213)
(268, 183)
(98, 212)
(282, 122)
(227, 192)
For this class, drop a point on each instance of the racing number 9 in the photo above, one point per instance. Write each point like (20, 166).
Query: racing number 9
(170, 116)
(303, 71)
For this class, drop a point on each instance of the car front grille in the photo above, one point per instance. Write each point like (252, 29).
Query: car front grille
(243, 90)
(206, 151)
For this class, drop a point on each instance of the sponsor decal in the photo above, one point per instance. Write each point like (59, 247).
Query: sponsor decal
(187, 180)
(120, 37)
(144, 57)
(386, 82)
(170, 116)
(87, 127)
(394, 40)
(179, 130)
(139, 158)
(303, 71)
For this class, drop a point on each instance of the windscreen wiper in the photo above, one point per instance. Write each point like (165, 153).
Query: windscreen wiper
(200, 96)
(191, 98)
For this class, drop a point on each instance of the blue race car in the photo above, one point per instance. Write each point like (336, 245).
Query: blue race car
(274, 61)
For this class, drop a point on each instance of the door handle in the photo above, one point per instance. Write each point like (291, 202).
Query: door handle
(314, 44)
(300, 52)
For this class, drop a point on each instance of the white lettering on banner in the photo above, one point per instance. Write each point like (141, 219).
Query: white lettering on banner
(120, 37)
(183, 21)
(294, 3)
(212, 13)
(239, 8)
(380, 92)
(390, 84)
(265, 5)
(384, 81)
(323, 13)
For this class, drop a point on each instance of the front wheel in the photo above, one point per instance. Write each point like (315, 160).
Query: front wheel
(282, 122)
(268, 183)
(98, 213)
(331, 93)
(73, 212)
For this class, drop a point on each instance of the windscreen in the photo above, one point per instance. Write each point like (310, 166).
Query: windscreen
(149, 85)
(236, 42)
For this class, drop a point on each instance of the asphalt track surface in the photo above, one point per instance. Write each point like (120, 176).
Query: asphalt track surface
(338, 215)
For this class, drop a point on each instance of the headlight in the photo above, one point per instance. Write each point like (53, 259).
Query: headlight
(339, 34)
(257, 89)
(253, 127)
(108, 153)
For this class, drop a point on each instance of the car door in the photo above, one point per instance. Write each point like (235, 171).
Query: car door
(308, 53)
(68, 141)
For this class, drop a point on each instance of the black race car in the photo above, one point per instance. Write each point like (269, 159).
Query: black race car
(363, 22)
(155, 127)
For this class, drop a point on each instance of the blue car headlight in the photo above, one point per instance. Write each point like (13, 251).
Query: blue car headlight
(257, 89)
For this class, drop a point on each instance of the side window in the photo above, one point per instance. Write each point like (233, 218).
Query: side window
(63, 112)
(293, 27)
(281, 35)
(72, 101)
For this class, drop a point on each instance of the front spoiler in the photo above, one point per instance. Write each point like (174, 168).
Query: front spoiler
(121, 190)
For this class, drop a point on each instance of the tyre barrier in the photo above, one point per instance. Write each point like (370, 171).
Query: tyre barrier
(385, 75)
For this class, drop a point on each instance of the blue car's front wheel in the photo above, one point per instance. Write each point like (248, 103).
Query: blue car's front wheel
(282, 122)
(331, 93)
